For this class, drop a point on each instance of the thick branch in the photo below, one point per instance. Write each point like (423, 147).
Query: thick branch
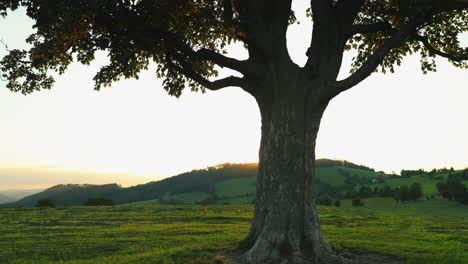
(321, 9)
(378, 56)
(227, 12)
(427, 44)
(372, 28)
(223, 61)
(231, 81)
(207, 54)
(210, 85)
(348, 10)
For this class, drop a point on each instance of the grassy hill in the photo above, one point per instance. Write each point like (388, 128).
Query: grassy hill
(67, 194)
(195, 234)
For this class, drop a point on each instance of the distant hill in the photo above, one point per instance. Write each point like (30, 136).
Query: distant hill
(16, 195)
(67, 194)
(5, 199)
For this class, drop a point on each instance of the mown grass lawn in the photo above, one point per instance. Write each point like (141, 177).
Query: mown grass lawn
(194, 234)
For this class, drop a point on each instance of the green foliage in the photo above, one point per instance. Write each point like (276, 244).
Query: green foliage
(195, 234)
(415, 191)
(134, 33)
(441, 28)
(406, 193)
(169, 35)
(428, 185)
(357, 202)
(99, 201)
(453, 188)
(324, 200)
(46, 202)
(337, 203)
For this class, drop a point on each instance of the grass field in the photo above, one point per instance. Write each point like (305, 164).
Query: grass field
(236, 187)
(333, 176)
(194, 234)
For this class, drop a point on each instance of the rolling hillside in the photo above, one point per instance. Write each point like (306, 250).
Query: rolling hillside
(229, 184)
(225, 183)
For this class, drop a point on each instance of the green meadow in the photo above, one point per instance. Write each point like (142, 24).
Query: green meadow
(163, 234)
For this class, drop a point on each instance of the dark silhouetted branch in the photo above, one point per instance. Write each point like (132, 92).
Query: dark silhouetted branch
(374, 60)
(427, 44)
(230, 81)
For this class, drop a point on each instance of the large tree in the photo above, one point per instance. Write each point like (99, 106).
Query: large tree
(187, 39)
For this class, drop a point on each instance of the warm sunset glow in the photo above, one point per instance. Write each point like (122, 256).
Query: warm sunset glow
(390, 122)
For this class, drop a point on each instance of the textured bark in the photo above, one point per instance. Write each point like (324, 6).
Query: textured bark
(285, 228)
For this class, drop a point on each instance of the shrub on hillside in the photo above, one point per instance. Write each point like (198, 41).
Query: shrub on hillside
(46, 202)
(402, 194)
(453, 188)
(99, 201)
(415, 191)
(357, 202)
(337, 203)
(325, 200)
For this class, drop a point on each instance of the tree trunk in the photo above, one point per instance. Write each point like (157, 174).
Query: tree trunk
(285, 228)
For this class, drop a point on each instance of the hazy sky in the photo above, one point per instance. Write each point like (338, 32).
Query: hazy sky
(389, 122)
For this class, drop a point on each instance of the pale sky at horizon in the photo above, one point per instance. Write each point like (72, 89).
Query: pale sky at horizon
(134, 132)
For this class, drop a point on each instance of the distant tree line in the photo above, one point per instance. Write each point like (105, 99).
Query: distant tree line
(327, 200)
(45, 202)
(401, 194)
(366, 191)
(433, 174)
(453, 188)
(99, 201)
(408, 193)
(342, 163)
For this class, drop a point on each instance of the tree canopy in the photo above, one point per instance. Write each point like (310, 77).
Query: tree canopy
(187, 39)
